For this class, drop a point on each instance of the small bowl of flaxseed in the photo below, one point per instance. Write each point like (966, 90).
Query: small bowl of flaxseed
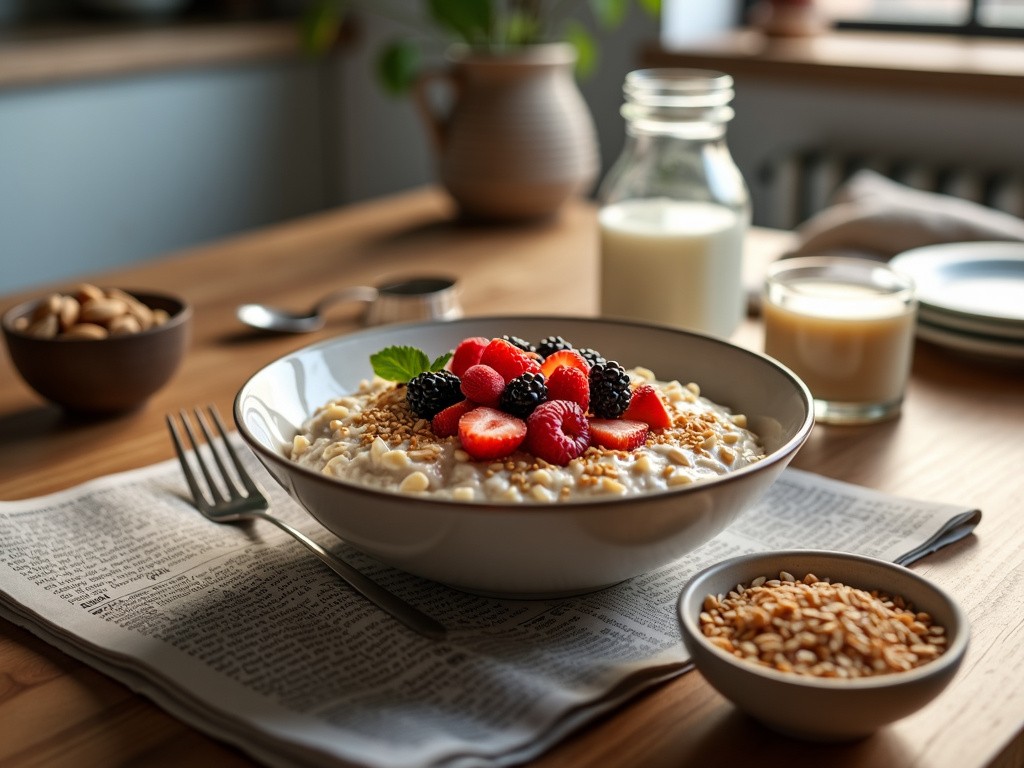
(822, 646)
(98, 350)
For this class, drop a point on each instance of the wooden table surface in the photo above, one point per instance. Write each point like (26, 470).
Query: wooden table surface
(958, 440)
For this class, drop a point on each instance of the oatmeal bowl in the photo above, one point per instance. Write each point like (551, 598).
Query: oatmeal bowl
(525, 456)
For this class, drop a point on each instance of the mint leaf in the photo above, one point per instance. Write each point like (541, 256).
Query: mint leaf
(440, 362)
(399, 364)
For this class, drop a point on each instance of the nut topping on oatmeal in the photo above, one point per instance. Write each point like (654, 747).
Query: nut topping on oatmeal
(497, 421)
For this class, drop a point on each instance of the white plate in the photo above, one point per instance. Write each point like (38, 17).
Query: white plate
(980, 280)
(954, 321)
(986, 346)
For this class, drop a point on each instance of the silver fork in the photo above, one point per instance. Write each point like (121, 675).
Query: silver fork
(238, 507)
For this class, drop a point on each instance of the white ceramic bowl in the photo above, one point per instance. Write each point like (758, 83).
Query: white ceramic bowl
(812, 708)
(535, 550)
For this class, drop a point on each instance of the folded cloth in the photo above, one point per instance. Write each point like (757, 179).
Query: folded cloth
(876, 217)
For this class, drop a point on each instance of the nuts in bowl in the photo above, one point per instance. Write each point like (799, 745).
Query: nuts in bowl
(98, 350)
(823, 646)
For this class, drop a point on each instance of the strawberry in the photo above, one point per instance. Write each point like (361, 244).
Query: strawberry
(564, 357)
(482, 384)
(569, 384)
(488, 434)
(557, 431)
(508, 360)
(618, 434)
(647, 406)
(467, 353)
(446, 422)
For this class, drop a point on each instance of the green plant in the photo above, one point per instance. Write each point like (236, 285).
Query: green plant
(490, 25)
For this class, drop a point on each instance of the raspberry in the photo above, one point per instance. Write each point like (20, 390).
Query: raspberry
(508, 360)
(446, 423)
(557, 432)
(482, 384)
(609, 390)
(551, 345)
(563, 357)
(570, 384)
(487, 433)
(618, 434)
(523, 394)
(646, 406)
(430, 393)
(467, 353)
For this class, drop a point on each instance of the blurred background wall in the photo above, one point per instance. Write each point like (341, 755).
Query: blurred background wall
(101, 171)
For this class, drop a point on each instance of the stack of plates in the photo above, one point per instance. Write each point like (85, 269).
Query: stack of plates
(971, 296)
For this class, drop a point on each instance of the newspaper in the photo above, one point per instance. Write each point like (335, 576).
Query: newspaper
(239, 632)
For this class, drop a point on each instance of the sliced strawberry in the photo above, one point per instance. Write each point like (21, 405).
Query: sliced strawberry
(557, 432)
(647, 406)
(569, 358)
(482, 384)
(508, 360)
(569, 384)
(467, 353)
(488, 434)
(618, 434)
(446, 422)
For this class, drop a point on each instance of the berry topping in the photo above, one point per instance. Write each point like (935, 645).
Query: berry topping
(646, 406)
(468, 353)
(558, 432)
(552, 344)
(446, 422)
(523, 394)
(487, 433)
(522, 344)
(570, 384)
(508, 360)
(618, 434)
(482, 384)
(431, 392)
(609, 390)
(592, 356)
(563, 357)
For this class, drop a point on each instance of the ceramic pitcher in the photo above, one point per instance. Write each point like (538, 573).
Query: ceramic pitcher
(517, 139)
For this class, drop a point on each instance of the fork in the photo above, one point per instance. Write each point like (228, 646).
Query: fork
(237, 507)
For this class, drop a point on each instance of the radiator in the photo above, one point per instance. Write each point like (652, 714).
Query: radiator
(801, 184)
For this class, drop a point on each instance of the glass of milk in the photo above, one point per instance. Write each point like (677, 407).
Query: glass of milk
(674, 206)
(846, 327)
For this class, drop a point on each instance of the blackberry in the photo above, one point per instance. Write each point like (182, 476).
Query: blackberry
(592, 356)
(430, 393)
(552, 344)
(524, 393)
(522, 344)
(609, 390)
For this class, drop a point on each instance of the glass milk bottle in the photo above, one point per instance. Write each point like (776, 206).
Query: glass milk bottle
(674, 206)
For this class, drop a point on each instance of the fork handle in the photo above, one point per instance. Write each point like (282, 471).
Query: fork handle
(386, 601)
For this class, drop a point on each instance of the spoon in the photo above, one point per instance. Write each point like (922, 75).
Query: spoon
(414, 298)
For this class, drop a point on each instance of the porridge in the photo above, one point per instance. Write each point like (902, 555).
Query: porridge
(502, 420)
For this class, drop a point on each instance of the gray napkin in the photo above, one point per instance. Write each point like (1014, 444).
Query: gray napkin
(877, 217)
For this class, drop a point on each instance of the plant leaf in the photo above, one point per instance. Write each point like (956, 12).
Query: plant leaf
(320, 25)
(472, 20)
(440, 362)
(398, 65)
(586, 49)
(609, 13)
(652, 7)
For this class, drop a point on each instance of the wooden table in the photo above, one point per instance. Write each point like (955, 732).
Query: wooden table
(959, 439)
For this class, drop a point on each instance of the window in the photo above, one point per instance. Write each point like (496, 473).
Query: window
(981, 17)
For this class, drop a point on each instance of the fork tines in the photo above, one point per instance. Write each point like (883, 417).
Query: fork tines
(228, 480)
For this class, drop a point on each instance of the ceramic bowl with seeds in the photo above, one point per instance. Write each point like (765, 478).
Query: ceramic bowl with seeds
(822, 646)
(98, 350)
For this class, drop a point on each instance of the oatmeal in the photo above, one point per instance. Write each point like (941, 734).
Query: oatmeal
(532, 433)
